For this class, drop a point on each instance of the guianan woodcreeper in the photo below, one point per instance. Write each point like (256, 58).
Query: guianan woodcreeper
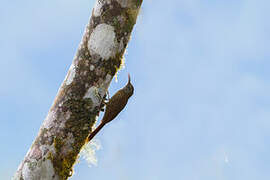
(115, 105)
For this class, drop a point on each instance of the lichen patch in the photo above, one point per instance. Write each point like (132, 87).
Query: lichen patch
(48, 122)
(47, 171)
(71, 74)
(121, 45)
(45, 148)
(92, 67)
(98, 7)
(103, 41)
(92, 93)
(104, 86)
(35, 153)
(42, 170)
(29, 171)
(89, 152)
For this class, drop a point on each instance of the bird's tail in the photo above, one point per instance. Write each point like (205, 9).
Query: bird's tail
(100, 126)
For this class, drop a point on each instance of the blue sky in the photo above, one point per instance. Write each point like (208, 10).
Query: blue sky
(201, 74)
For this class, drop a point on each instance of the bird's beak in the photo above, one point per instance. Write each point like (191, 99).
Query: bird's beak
(128, 78)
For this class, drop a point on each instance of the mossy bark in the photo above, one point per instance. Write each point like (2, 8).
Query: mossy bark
(79, 100)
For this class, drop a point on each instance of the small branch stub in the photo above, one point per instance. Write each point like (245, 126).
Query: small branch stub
(77, 104)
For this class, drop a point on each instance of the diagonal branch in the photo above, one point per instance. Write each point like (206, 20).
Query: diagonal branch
(77, 104)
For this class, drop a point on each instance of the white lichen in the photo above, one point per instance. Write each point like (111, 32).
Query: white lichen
(47, 148)
(121, 45)
(98, 7)
(97, 93)
(29, 170)
(47, 170)
(68, 146)
(103, 41)
(35, 153)
(92, 67)
(48, 122)
(89, 152)
(38, 170)
(92, 93)
(105, 84)
(71, 74)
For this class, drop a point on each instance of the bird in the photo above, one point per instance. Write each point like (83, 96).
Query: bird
(114, 106)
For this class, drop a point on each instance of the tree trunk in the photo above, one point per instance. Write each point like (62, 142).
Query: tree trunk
(79, 99)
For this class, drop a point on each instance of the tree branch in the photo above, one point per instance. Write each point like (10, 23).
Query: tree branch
(77, 104)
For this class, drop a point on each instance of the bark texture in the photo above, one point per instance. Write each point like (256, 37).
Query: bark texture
(77, 104)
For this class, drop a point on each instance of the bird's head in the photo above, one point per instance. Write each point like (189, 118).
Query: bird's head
(129, 89)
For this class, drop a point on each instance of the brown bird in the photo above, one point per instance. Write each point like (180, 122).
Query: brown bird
(115, 105)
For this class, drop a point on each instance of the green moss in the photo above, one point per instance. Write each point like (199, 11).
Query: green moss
(131, 15)
(80, 117)
(137, 3)
(65, 164)
(62, 164)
